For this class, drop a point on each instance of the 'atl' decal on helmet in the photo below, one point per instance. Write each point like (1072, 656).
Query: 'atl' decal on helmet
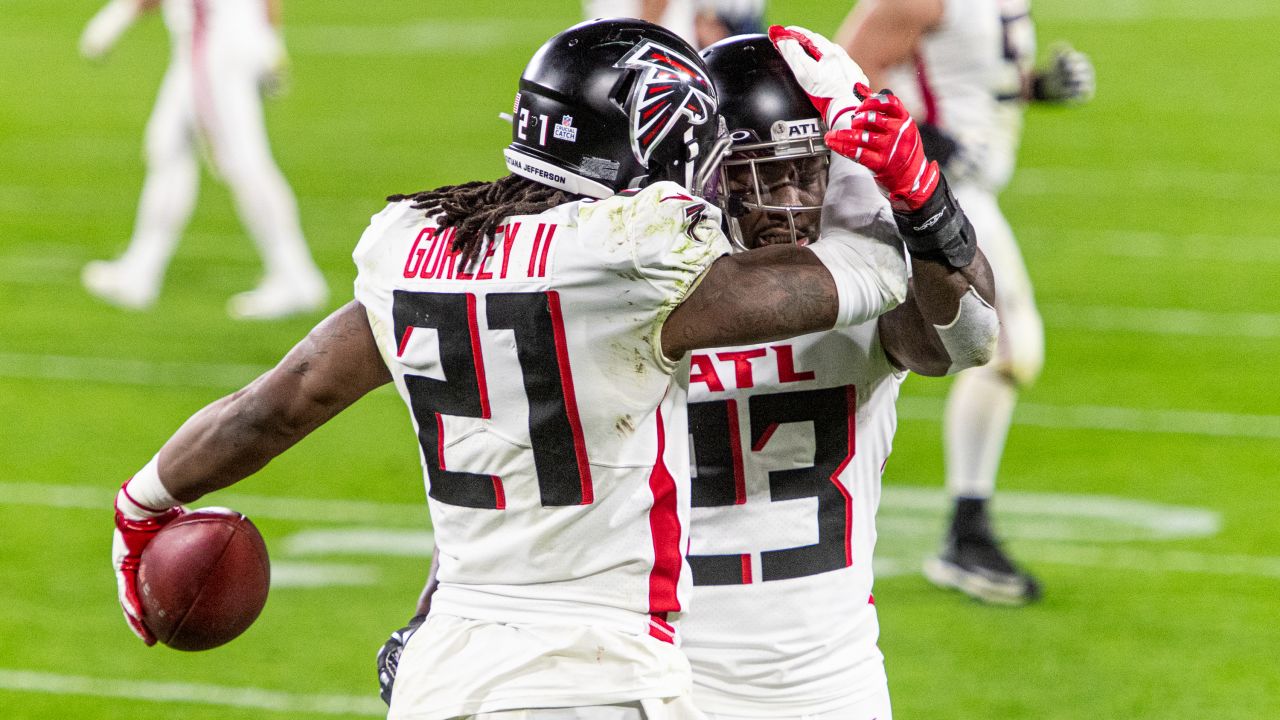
(670, 86)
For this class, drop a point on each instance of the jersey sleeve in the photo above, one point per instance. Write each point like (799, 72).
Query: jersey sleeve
(374, 259)
(860, 245)
(674, 237)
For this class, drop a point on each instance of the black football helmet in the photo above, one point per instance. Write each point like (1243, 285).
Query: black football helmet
(777, 162)
(612, 104)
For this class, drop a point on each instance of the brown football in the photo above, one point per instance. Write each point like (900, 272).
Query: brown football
(203, 579)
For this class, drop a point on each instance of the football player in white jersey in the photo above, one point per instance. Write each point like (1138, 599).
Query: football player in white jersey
(719, 19)
(789, 437)
(538, 328)
(965, 69)
(224, 54)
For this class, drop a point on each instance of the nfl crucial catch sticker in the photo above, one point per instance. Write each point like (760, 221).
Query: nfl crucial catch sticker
(565, 130)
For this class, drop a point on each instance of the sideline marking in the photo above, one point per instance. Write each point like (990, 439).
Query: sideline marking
(193, 693)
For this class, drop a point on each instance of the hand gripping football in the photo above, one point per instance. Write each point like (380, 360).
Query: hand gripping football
(203, 579)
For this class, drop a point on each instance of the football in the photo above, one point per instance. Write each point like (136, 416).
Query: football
(203, 579)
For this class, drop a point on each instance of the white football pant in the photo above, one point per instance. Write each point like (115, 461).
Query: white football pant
(982, 399)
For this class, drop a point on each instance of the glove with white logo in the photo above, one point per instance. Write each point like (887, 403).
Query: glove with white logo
(1068, 77)
(883, 138)
(389, 656)
(273, 83)
(824, 71)
(143, 507)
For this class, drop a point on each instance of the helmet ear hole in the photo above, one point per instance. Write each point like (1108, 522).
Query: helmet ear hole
(736, 206)
(622, 89)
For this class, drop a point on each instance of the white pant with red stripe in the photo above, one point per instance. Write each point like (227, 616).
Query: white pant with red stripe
(210, 100)
(456, 667)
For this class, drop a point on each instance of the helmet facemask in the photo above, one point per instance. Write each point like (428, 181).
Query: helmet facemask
(772, 191)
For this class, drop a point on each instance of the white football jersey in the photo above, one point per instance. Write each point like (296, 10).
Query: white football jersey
(967, 80)
(552, 431)
(225, 33)
(789, 439)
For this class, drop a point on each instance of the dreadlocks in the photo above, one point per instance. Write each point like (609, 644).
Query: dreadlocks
(477, 208)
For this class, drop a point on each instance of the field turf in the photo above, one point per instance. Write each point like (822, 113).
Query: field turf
(1139, 481)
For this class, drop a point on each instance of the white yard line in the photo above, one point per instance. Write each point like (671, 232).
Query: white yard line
(1127, 11)
(1162, 321)
(1150, 244)
(1172, 181)
(302, 510)
(1097, 417)
(193, 693)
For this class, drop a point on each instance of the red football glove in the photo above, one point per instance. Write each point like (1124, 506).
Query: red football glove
(136, 525)
(823, 70)
(886, 141)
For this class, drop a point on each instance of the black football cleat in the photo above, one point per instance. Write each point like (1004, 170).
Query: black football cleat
(973, 562)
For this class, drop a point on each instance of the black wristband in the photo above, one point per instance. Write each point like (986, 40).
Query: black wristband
(939, 231)
(937, 144)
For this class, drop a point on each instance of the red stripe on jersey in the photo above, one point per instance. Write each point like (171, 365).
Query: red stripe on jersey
(764, 437)
(440, 441)
(499, 495)
(664, 526)
(735, 449)
(478, 354)
(851, 398)
(926, 92)
(746, 569)
(871, 599)
(546, 246)
(404, 341)
(661, 629)
(202, 86)
(570, 396)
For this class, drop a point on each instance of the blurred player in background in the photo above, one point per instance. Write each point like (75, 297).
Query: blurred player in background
(678, 16)
(225, 54)
(784, 509)
(538, 327)
(700, 22)
(719, 19)
(965, 70)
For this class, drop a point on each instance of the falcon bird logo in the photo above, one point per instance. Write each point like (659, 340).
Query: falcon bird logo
(669, 86)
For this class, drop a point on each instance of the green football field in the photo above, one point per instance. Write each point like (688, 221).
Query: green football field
(1140, 481)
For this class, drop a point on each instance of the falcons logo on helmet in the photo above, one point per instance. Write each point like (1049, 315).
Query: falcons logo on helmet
(669, 86)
